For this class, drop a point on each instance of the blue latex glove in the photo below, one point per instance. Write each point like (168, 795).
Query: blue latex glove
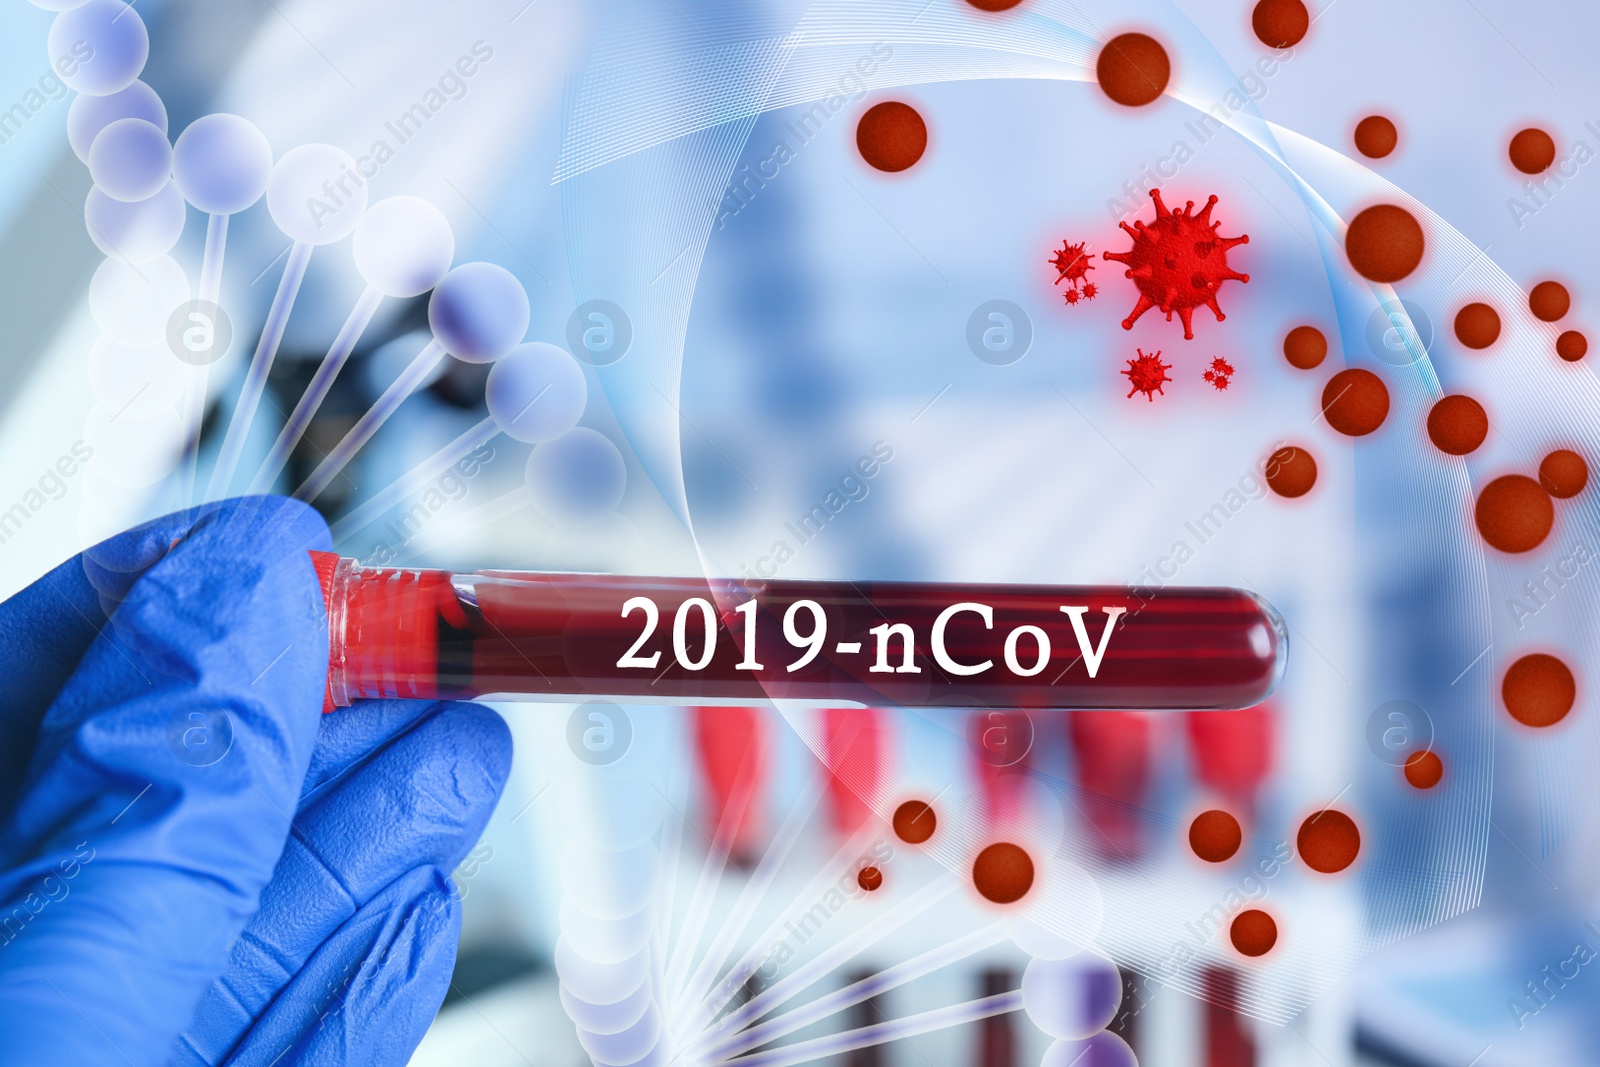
(196, 865)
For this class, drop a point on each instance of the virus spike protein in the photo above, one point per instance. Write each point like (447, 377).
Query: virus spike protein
(1178, 262)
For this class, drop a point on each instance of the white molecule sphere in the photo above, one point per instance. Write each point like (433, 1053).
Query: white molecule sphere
(625, 1046)
(316, 194)
(403, 246)
(98, 47)
(1104, 1049)
(140, 381)
(536, 392)
(221, 163)
(617, 813)
(120, 506)
(604, 940)
(88, 115)
(653, 735)
(607, 1018)
(661, 1054)
(93, 529)
(135, 232)
(130, 160)
(612, 885)
(577, 479)
(1071, 999)
(479, 312)
(600, 983)
(132, 303)
(132, 450)
(1038, 940)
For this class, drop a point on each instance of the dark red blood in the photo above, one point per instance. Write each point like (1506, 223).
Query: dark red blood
(408, 634)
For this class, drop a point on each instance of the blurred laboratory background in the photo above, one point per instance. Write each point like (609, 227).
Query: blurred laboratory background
(795, 364)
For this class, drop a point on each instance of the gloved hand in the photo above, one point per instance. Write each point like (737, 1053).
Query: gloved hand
(196, 865)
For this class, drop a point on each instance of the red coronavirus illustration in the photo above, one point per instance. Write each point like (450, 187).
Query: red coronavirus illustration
(1147, 373)
(1086, 293)
(1219, 374)
(1072, 263)
(1178, 262)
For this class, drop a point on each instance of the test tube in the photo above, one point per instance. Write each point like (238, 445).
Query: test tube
(405, 632)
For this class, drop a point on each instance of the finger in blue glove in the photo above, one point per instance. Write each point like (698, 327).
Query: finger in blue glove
(421, 799)
(354, 1002)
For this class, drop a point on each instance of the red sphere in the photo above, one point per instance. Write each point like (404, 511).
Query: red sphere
(891, 136)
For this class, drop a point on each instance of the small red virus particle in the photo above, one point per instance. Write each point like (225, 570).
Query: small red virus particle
(1220, 373)
(1147, 373)
(1178, 262)
(1072, 263)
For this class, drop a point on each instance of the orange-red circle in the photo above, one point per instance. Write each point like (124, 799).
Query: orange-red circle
(1477, 325)
(1532, 150)
(1384, 243)
(1133, 69)
(1549, 301)
(1003, 873)
(1280, 23)
(1514, 513)
(1424, 770)
(994, 5)
(1563, 473)
(1305, 347)
(869, 878)
(1215, 836)
(1291, 472)
(914, 822)
(1457, 424)
(1539, 690)
(1572, 346)
(1355, 402)
(891, 136)
(1253, 932)
(1328, 841)
(1376, 136)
